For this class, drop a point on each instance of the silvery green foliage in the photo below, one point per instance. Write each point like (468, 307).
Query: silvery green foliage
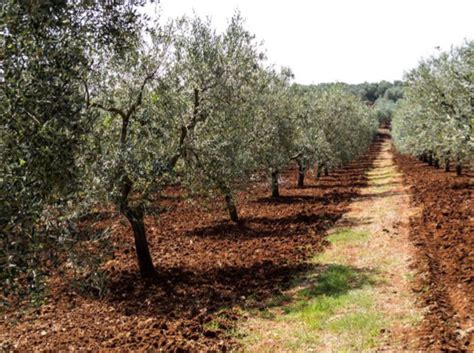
(126, 120)
(135, 133)
(349, 125)
(47, 50)
(222, 80)
(334, 126)
(277, 121)
(436, 115)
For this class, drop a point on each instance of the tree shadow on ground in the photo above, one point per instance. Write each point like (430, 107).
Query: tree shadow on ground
(326, 281)
(267, 227)
(206, 270)
(328, 197)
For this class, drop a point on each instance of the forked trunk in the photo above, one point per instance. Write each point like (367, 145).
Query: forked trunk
(275, 188)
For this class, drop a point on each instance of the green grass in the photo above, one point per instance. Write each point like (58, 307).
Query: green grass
(359, 330)
(334, 288)
(339, 301)
(211, 326)
(347, 235)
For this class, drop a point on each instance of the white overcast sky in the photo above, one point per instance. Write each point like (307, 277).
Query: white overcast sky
(341, 40)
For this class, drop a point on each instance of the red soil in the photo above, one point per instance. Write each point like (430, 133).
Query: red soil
(207, 267)
(444, 235)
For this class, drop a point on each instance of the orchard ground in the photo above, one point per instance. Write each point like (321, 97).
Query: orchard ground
(365, 258)
(358, 297)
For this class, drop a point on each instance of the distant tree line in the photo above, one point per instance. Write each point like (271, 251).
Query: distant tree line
(381, 96)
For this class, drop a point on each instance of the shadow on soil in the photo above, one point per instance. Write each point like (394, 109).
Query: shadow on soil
(332, 281)
(253, 261)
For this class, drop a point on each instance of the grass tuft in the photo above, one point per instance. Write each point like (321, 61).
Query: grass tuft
(347, 235)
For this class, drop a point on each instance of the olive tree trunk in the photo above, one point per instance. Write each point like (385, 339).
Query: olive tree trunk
(301, 173)
(320, 168)
(274, 182)
(230, 203)
(135, 216)
(446, 166)
(458, 167)
(145, 263)
(430, 159)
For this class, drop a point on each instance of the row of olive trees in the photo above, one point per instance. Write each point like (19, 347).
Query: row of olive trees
(185, 104)
(204, 106)
(435, 119)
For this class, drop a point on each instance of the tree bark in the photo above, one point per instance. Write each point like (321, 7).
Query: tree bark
(430, 159)
(230, 202)
(320, 168)
(446, 166)
(275, 188)
(135, 216)
(145, 263)
(326, 171)
(436, 163)
(301, 173)
(458, 168)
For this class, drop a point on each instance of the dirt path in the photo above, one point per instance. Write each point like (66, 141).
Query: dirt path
(358, 297)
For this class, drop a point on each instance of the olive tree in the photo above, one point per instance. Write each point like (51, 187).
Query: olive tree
(48, 50)
(276, 126)
(307, 137)
(135, 144)
(434, 120)
(221, 77)
(333, 127)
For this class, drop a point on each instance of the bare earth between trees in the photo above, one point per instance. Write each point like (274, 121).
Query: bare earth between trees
(214, 275)
(358, 295)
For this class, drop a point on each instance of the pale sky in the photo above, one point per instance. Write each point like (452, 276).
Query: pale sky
(342, 40)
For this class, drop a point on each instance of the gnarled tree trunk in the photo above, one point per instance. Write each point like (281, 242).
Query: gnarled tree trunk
(135, 216)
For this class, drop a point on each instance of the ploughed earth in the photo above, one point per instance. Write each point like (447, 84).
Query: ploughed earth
(443, 233)
(209, 268)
